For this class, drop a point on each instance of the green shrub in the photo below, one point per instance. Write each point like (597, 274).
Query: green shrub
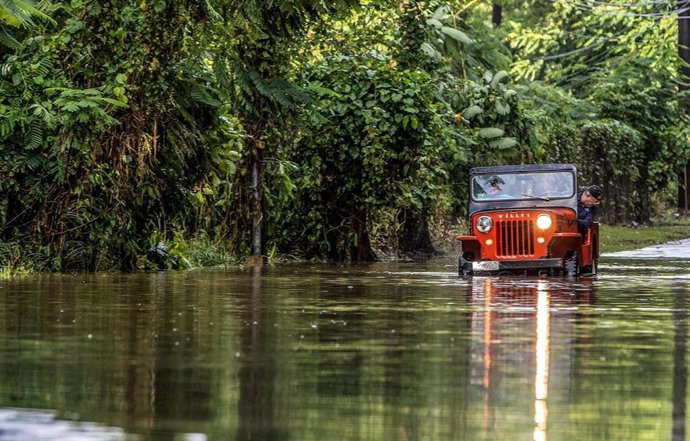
(613, 157)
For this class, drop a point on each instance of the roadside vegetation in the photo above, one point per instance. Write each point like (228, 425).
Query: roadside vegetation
(624, 238)
(239, 131)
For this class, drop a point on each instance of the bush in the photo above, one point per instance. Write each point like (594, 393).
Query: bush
(613, 157)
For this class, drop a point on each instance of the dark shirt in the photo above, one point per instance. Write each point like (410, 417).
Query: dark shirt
(585, 215)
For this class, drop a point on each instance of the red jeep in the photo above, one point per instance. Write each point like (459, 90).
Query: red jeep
(523, 219)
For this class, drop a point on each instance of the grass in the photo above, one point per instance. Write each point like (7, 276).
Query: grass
(619, 238)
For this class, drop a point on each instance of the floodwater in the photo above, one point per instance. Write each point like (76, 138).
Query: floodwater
(389, 351)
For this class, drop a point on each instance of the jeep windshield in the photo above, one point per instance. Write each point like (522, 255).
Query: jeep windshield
(547, 185)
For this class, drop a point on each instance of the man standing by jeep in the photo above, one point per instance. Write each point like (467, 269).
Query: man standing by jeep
(587, 202)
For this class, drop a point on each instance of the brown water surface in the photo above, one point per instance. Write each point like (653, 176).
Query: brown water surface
(389, 351)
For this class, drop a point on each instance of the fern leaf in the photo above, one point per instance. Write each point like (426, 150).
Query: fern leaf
(281, 96)
(220, 71)
(7, 39)
(70, 107)
(114, 102)
(40, 111)
(45, 65)
(281, 91)
(6, 127)
(241, 76)
(202, 94)
(33, 162)
(5, 69)
(34, 136)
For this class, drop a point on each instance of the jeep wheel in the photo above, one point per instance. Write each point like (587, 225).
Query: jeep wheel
(589, 270)
(571, 267)
(465, 266)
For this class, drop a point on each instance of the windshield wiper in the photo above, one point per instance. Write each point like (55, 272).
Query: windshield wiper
(535, 197)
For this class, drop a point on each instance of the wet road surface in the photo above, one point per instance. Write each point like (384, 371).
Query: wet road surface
(676, 249)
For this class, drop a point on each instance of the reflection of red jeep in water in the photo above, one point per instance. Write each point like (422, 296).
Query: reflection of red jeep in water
(523, 219)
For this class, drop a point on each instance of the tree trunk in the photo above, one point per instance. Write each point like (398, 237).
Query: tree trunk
(497, 14)
(684, 54)
(415, 240)
(342, 226)
(643, 211)
(414, 237)
(257, 181)
(684, 187)
(361, 251)
(684, 42)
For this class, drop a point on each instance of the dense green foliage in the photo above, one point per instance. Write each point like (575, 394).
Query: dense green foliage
(400, 141)
(622, 65)
(108, 131)
(310, 128)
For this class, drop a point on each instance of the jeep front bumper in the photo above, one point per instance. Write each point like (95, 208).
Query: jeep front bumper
(508, 265)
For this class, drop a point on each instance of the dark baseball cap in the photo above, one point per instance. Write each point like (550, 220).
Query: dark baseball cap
(595, 191)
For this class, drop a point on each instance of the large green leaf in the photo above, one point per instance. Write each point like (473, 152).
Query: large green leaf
(490, 132)
(435, 23)
(431, 51)
(456, 35)
(498, 77)
(501, 108)
(472, 111)
(503, 143)
(441, 12)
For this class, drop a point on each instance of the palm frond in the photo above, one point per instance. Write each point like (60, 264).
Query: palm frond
(30, 9)
(7, 39)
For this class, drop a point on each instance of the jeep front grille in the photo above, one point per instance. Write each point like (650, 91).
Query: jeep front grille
(515, 238)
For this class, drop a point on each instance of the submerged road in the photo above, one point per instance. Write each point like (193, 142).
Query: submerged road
(391, 350)
(679, 249)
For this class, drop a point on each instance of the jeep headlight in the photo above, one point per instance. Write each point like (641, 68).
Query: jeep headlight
(484, 224)
(544, 221)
